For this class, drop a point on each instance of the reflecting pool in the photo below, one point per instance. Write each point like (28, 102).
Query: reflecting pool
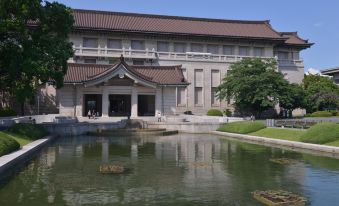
(183, 169)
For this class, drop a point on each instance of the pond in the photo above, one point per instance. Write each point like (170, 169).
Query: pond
(182, 169)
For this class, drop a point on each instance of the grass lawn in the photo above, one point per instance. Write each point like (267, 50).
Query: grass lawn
(19, 138)
(279, 133)
(335, 143)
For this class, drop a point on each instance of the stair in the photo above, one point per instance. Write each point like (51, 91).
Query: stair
(134, 132)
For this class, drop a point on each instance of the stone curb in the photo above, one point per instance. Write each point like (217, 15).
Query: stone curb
(292, 144)
(24, 154)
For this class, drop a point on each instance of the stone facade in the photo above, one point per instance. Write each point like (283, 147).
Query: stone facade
(205, 61)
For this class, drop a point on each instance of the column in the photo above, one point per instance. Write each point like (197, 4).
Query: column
(158, 101)
(105, 102)
(134, 103)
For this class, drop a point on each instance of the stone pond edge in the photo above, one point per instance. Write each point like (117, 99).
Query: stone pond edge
(26, 153)
(291, 144)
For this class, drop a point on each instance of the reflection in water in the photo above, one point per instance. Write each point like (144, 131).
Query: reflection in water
(178, 170)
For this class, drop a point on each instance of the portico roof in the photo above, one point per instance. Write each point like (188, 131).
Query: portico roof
(92, 74)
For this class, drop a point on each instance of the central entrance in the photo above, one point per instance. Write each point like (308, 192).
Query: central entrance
(146, 105)
(119, 105)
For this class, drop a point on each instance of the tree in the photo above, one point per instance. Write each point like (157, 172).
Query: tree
(255, 85)
(293, 97)
(321, 93)
(34, 46)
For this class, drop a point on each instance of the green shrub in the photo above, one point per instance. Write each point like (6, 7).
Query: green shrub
(242, 127)
(30, 131)
(334, 112)
(321, 133)
(228, 113)
(321, 114)
(214, 112)
(7, 112)
(8, 145)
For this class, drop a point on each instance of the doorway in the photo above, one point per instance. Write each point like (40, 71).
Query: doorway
(146, 105)
(119, 105)
(93, 103)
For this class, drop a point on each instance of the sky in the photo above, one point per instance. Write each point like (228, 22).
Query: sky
(315, 20)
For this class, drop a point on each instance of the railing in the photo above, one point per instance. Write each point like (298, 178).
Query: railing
(152, 54)
(107, 52)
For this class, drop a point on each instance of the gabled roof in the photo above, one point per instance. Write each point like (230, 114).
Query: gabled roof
(78, 73)
(294, 39)
(159, 24)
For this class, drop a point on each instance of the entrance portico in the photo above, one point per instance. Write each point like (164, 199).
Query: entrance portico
(121, 89)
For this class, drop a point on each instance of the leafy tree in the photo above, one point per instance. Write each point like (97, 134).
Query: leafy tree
(293, 97)
(255, 85)
(34, 46)
(321, 93)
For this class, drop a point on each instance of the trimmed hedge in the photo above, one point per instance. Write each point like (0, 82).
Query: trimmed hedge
(7, 112)
(214, 112)
(8, 145)
(242, 127)
(29, 131)
(321, 114)
(321, 133)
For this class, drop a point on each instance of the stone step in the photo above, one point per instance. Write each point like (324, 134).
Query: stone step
(134, 132)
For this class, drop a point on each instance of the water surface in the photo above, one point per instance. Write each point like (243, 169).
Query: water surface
(183, 169)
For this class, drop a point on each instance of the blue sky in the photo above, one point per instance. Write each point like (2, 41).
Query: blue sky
(315, 20)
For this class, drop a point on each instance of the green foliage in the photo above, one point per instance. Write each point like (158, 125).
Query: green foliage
(293, 97)
(228, 112)
(322, 133)
(321, 93)
(7, 144)
(34, 46)
(321, 114)
(242, 127)
(214, 112)
(29, 131)
(7, 112)
(255, 85)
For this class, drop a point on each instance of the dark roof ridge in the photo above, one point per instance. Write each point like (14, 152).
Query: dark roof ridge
(176, 17)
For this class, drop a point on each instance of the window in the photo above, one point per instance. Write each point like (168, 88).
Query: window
(138, 44)
(162, 46)
(228, 50)
(114, 44)
(214, 98)
(90, 61)
(295, 55)
(198, 98)
(213, 49)
(138, 62)
(244, 51)
(198, 77)
(181, 96)
(180, 47)
(259, 51)
(90, 42)
(197, 48)
(336, 81)
(282, 55)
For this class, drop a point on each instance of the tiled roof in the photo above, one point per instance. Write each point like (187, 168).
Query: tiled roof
(145, 23)
(161, 75)
(294, 39)
(330, 71)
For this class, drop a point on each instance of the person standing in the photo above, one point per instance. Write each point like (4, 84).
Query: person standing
(89, 114)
